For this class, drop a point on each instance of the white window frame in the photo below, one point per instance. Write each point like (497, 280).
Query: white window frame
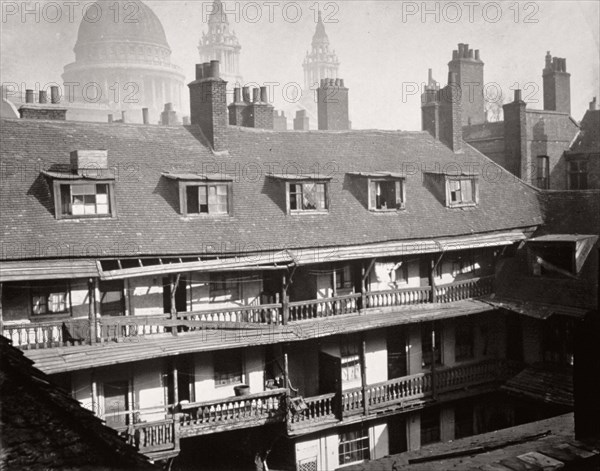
(400, 190)
(474, 191)
(307, 211)
(362, 435)
(58, 200)
(183, 200)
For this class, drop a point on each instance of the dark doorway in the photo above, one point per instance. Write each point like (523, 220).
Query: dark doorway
(397, 435)
(185, 380)
(514, 338)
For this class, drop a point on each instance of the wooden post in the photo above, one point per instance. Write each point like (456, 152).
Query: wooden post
(432, 296)
(363, 374)
(363, 289)
(175, 385)
(433, 372)
(285, 314)
(286, 372)
(1, 318)
(95, 407)
(94, 295)
(126, 297)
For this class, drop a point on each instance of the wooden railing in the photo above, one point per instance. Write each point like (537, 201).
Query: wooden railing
(60, 333)
(471, 374)
(232, 412)
(72, 332)
(460, 290)
(153, 436)
(259, 314)
(399, 297)
(399, 389)
(326, 307)
(313, 409)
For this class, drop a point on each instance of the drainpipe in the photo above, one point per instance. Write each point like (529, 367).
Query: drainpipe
(363, 370)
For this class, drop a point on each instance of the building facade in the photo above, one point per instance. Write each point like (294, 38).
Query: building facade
(321, 311)
(122, 63)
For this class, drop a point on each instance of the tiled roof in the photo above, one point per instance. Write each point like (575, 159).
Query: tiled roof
(44, 428)
(588, 139)
(148, 219)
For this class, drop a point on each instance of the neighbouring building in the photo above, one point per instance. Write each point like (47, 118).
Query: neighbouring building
(227, 293)
(529, 143)
(221, 43)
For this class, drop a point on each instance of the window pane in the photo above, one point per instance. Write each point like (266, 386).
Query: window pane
(192, 199)
(373, 195)
(39, 305)
(83, 189)
(467, 190)
(65, 199)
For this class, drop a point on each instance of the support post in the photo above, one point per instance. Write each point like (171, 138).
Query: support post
(95, 408)
(1, 317)
(363, 374)
(94, 296)
(285, 314)
(175, 385)
(433, 294)
(126, 299)
(363, 289)
(433, 372)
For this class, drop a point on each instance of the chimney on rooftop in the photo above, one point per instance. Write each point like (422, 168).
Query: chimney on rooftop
(515, 136)
(557, 85)
(332, 105)
(593, 104)
(255, 112)
(301, 121)
(168, 117)
(42, 109)
(279, 121)
(468, 67)
(145, 118)
(208, 104)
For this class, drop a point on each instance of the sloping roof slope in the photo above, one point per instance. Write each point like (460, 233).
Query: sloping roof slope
(42, 427)
(149, 222)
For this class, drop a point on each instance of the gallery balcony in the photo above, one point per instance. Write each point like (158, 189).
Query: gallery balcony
(69, 332)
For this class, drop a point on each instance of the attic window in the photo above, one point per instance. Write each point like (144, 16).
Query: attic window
(305, 194)
(386, 194)
(560, 255)
(85, 199)
(203, 194)
(461, 191)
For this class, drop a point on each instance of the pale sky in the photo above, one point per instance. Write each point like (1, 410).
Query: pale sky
(383, 46)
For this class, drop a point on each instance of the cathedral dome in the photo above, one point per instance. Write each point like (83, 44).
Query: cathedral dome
(132, 22)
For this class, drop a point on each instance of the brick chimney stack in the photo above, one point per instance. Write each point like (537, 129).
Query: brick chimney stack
(441, 113)
(208, 104)
(301, 121)
(467, 65)
(332, 105)
(557, 85)
(43, 109)
(515, 135)
(251, 112)
(168, 117)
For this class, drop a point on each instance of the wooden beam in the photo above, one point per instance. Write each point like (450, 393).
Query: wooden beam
(363, 374)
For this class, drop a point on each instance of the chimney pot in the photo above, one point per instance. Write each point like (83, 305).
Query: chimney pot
(237, 95)
(454, 54)
(246, 94)
(470, 53)
(465, 50)
(28, 96)
(168, 106)
(477, 55)
(43, 96)
(255, 95)
(517, 95)
(342, 83)
(593, 104)
(263, 95)
(110, 118)
(54, 95)
(199, 71)
(124, 116)
(145, 117)
(214, 69)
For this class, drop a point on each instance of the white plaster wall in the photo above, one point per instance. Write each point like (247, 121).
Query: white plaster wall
(146, 296)
(255, 369)
(379, 441)
(381, 278)
(149, 391)
(330, 447)
(376, 357)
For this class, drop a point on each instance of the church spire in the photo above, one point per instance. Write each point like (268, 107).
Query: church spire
(221, 43)
(320, 63)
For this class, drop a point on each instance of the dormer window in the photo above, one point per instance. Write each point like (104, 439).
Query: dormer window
(461, 191)
(308, 196)
(203, 194)
(87, 190)
(305, 194)
(386, 191)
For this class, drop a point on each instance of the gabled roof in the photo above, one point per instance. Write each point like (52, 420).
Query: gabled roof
(149, 222)
(45, 428)
(588, 138)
